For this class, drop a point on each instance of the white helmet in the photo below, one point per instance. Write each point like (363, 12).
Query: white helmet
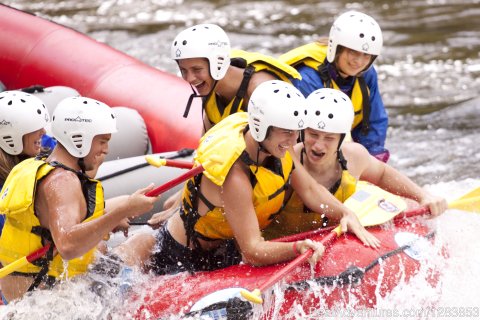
(330, 110)
(357, 31)
(204, 41)
(275, 103)
(77, 120)
(20, 113)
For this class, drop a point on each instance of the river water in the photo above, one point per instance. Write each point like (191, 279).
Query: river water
(428, 72)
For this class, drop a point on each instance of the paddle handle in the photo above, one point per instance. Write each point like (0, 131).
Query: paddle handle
(286, 270)
(295, 263)
(414, 212)
(179, 154)
(179, 164)
(172, 183)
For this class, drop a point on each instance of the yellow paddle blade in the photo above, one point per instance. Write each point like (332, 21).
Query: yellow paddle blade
(468, 202)
(374, 205)
(475, 193)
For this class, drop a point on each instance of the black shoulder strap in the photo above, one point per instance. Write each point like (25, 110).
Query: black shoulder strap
(242, 90)
(42, 274)
(324, 75)
(342, 160)
(366, 105)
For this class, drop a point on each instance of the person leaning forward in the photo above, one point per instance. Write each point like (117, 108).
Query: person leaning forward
(52, 200)
(338, 165)
(223, 78)
(248, 165)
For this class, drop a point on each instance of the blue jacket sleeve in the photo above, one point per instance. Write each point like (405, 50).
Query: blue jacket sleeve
(310, 82)
(374, 141)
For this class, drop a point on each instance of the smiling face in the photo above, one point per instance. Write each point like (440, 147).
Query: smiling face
(32, 142)
(321, 147)
(278, 141)
(98, 151)
(196, 71)
(350, 62)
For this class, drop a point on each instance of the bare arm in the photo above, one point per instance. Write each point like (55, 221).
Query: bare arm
(318, 198)
(370, 169)
(61, 208)
(240, 214)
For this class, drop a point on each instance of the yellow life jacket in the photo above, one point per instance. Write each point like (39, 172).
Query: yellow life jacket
(313, 55)
(226, 140)
(252, 62)
(22, 233)
(296, 217)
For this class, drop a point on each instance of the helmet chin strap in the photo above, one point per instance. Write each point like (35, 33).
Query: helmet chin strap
(195, 95)
(81, 164)
(260, 148)
(342, 137)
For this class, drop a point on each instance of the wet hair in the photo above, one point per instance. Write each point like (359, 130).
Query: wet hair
(7, 162)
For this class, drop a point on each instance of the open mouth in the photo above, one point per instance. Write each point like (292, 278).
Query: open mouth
(200, 87)
(318, 155)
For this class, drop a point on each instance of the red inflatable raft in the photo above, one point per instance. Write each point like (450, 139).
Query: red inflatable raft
(36, 51)
(349, 275)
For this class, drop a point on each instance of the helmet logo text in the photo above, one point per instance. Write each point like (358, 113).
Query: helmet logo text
(78, 119)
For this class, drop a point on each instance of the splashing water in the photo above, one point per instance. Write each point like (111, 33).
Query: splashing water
(457, 287)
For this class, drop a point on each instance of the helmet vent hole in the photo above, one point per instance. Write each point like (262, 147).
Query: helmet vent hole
(306, 112)
(77, 140)
(113, 117)
(321, 98)
(276, 90)
(9, 140)
(184, 42)
(10, 102)
(288, 95)
(22, 100)
(85, 102)
(330, 116)
(295, 113)
(39, 111)
(317, 113)
(362, 35)
(373, 38)
(335, 100)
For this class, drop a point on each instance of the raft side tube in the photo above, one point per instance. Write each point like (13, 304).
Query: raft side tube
(50, 54)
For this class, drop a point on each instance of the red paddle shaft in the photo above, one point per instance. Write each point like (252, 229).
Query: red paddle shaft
(296, 262)
(172, 183)
(38, 253)
(179, 164)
